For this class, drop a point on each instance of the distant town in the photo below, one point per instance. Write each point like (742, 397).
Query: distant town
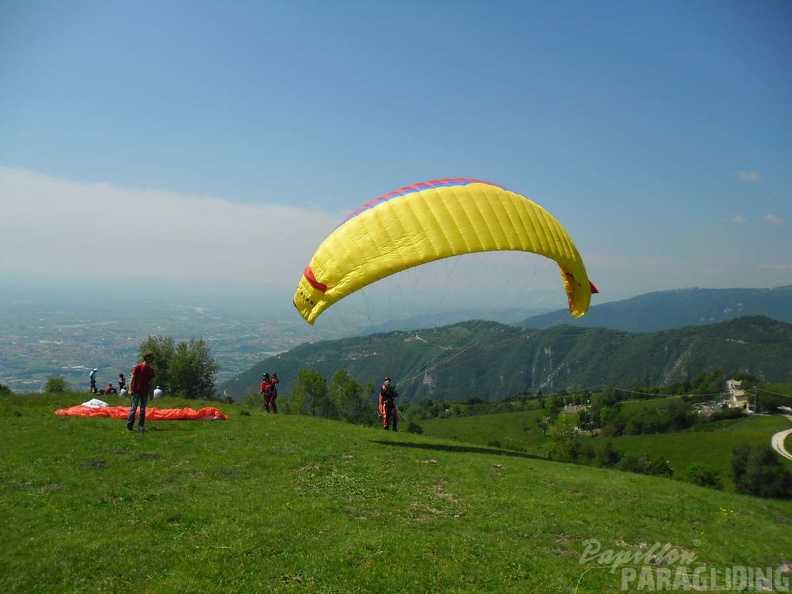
(49, 336)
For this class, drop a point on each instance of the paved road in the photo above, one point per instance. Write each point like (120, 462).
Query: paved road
(778, 441)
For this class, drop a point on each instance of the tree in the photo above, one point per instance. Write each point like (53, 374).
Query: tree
(193, 370)
(309, 394)
(350, 399)
(565, 426)
(608, 455)
(758, 471)
(163, 349)
(56, 385)
(185, 369)
(4, 389)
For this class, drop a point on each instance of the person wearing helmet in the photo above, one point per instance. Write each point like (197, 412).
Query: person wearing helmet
(264, 389)
(269, 390)
(387, 405)
(273, 394)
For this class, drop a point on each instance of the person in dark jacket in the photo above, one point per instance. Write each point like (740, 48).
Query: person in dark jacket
(387, 406)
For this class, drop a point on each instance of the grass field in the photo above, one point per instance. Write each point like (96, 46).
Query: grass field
(294, 504)
(710, 444)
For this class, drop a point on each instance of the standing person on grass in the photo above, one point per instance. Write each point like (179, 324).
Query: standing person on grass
(387, 406)
(264, 388)
(140, 389)
(272, 396)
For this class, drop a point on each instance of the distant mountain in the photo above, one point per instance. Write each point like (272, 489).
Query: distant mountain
(664, 310)
(489, 360)
(433, 320)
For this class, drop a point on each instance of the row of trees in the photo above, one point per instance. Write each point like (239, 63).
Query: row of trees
(342, 398)
(185, 369)
(756, 470)
(759, 471)
(603, 411)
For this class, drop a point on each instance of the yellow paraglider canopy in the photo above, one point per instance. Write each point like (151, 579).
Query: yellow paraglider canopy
(431, 221)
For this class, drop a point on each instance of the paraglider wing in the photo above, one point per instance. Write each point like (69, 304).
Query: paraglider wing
(430, 221)
(152, 413)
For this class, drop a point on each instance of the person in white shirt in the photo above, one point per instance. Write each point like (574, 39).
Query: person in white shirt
(157, 392)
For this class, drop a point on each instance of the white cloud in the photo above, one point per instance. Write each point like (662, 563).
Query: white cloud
(738, 219)
(56, 229)
(773, 219)
(62, 229)
(749, 176)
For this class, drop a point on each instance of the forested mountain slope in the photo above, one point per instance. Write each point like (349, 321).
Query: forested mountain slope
(492, 361)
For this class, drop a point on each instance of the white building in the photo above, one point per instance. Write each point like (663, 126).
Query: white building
(738, 398)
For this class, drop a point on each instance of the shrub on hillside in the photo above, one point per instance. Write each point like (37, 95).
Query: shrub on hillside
(726, 414)
(413, 427)
(4, 389)
(254, 400)
(702, 475)
(759, 471)
(609, 456)
(657, 466)
(56, 385)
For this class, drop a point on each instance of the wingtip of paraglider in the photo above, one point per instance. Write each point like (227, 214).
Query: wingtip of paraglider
(594, 288)
(300, 311)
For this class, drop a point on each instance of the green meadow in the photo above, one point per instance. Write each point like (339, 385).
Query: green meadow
(710, 444)
(266, 503)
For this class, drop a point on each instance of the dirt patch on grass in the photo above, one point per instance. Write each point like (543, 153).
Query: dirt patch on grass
(150, 456)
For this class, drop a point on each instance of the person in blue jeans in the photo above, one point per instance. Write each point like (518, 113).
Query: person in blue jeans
(140, 390)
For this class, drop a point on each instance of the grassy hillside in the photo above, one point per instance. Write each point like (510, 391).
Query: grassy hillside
(710, 444)
(295, 504)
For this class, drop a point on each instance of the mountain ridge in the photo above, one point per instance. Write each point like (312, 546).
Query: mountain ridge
(489, 360)
(575, 351)
(677, 308)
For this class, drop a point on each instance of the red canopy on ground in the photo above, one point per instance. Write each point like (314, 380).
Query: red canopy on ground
(209, 413)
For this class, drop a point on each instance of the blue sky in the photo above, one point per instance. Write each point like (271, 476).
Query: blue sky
(226, 140)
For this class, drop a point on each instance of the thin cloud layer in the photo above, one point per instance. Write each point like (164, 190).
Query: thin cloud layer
(749, 176)
(64, 229)
(786, 266)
